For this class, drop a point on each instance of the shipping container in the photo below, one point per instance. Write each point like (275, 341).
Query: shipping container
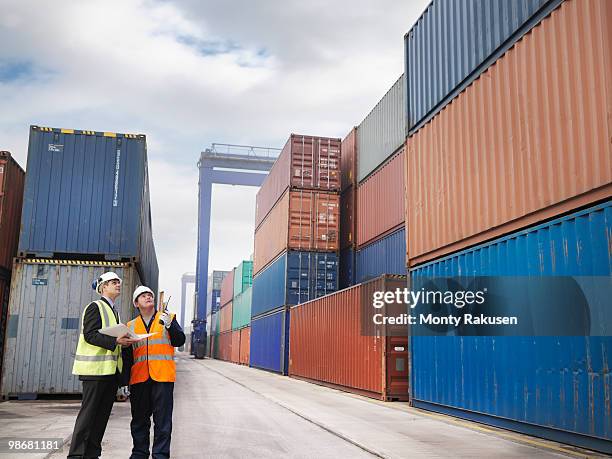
(5, 286)
(348, 218)
(225, 346)
(243, 277)
(45, 308)
(241, 309)
(227, 288)
(294, 277)
(452, 43)
(270, 341)
(557, 387)
(87, 194)
(213, 301)
(245, 345)
(306, 162)
(225, 322)
(12, 179)
(327, 344)
(301, 220)
(382, 132)
(235, 354)
(348, 160)
(380, 201)
(526, 141)
(215, 322)
(216, 279)
(215, 346)
(347, 268)
(384, 256)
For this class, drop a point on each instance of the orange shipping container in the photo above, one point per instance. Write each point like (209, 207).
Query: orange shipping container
(528, 140)
(225, 346)
(235, 355)
(227, 288)
(300, 220)
(12, 180)
(326, 344)
(225, 323)
(380, 201)
(245, 345)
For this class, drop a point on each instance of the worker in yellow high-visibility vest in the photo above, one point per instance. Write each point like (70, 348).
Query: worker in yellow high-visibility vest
(152, 375)
(98, 362)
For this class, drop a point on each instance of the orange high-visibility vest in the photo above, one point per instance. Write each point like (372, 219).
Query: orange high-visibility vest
(154, 356)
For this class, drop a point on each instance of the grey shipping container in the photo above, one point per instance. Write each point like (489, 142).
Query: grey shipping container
(45, 307)
(215, 279)
(87, 196)
(382, 132)
(453, 42)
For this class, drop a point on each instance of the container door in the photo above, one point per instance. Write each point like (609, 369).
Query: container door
(397, 368)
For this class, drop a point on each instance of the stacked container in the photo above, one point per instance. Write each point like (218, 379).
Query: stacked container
(348, 209)
(12, 178)
(213, 298)
(509, 173)
(86, 210)
(297, 222)
(224, 317)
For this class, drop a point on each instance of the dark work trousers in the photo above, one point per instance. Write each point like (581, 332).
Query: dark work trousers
(157, 399)
(98, 399)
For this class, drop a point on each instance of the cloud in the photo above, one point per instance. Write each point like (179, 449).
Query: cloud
(189, 73)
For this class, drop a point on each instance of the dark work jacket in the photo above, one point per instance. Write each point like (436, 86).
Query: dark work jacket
(92, 323)
(177, 339)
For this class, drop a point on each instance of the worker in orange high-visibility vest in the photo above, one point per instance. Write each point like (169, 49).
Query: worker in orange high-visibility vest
(152, 375)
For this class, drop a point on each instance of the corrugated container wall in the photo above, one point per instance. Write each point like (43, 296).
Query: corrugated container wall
(241, 309)
(69, 170)
(46, 304)
(327, 344)
(243, 277)
(528, 140)
(384, 256)
(213, 301)
(245, 345)
(348, 218)
(293, 278)
(346, 276)
(301, 220)
(270, 341)
(12, 179)
(225, 346)
(235, 354)
(227, 288)
(226, 312)
(561, 383)
(454, 42)
(216, 279)
(348, 160)
(382, 132)
(380, 201)
(5, 286)
(306, 162)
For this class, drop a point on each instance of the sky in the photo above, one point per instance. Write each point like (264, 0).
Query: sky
(188, 73)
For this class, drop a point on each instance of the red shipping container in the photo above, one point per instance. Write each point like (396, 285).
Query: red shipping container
(245, 345)
(235, 355)
(527, 141)
(225, 346)
(327, 346)
(306, 162)
(348, 160)
(12, 180)
(225, 323)
(227, 288)
(348, 218)
(380, 201)
(301, 220)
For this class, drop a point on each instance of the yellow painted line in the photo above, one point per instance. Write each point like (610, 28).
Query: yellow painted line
(110, 134)
(67, 131)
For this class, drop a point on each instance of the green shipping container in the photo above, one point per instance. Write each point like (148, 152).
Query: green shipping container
(241, 314)
(243, 277)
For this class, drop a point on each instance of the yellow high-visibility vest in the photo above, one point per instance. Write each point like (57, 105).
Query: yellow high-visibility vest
(93, 360)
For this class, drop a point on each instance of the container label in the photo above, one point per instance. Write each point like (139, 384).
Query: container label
(116, 187)
(55, 148)
(399, 349)
(38, 281)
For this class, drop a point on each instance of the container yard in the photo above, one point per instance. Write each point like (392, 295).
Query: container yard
(423, 270)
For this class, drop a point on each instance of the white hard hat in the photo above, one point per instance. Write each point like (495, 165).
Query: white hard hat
(105, 278)
(139, 291)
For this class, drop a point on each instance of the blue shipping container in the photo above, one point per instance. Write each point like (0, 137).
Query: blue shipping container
(87, 194)
(384, 256)
(347, 268)
(553, 387)
(293, 278)
(213, 301)
(270, 341)
(453, 42)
